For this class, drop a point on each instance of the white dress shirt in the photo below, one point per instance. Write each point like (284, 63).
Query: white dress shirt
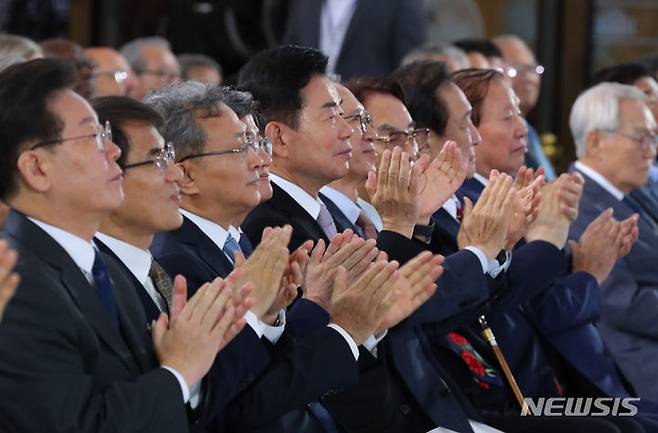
(218, 236)
(335, 18)
(83, 254)
(600, 180)
(312, 206)
(371, 212)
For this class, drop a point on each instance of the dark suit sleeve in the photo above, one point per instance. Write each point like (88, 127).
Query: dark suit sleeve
(410, 29)
(51, 372)
(571, 302)
(261, 217)
(307, 367)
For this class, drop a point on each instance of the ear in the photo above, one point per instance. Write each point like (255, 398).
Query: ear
(186, 183)
(280, 134)
(34, 168)
(594, 141)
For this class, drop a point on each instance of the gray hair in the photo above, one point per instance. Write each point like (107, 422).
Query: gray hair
(7, 61)
(181, 105)
(18, 46)
(132, 50)
(429, 51)
(188, 61)
(597, 108)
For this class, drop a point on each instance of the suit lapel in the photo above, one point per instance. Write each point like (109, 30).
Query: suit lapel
(204, 247)
(300, 219)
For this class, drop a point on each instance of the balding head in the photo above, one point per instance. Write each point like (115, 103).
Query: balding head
(114, 77)
(522, 68)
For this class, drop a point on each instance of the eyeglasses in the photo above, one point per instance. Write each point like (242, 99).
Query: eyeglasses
(647, 141)
(241, 150)
(163, 159)
(265, 144)
(164, 76)
(101, 134)
(516, 70)
(361, 119)
(400, 138)
(118, 75)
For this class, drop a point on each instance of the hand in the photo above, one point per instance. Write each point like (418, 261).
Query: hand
(265, 268)
(8, 279)
(351, 252)
(629, 233)
(593, 253)
(486, 224)
(526, 205)
(439, 180)
(415, 286)
(558, 207)
(198, 329)
(359, 308)
(394, 191)
(290, 282)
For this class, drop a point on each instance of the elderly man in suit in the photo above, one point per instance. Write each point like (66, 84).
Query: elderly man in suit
(74, 338)
(615, 135)
(361, 38)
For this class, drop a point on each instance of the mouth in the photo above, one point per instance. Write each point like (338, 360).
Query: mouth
(118, 177)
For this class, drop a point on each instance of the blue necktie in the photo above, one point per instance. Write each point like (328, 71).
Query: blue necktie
(103, 286)
(230, 247)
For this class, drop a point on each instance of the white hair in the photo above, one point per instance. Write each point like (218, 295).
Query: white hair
(597, 108)
(132, 50)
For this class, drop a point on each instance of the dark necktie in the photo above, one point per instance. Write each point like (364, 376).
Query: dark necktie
(369, 229)
(103, 286)
(326, 222)
(231, 246)
(162, 283)
(245, 246)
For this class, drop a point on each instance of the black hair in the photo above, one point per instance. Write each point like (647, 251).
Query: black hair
(25, 91)
(482, 46)
(420, 82)
(625, 73)
(275, 78)
(120, 109)
(361, 87)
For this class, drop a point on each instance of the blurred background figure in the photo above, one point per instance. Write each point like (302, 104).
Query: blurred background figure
(477, 48)
(454, 58)
(360, 37)
(522, 68)
(201, 68)
(66, 49)
(112, 73)
(153, 62)
(19, 46)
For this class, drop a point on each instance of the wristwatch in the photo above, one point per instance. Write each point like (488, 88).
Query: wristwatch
(424, 232)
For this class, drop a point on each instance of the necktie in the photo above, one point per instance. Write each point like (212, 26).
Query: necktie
(460, 211)
(483, 373)
(230, 247)
(103, 286)
(245, 246)
(326, 222)
(369, 229)
(162, 282)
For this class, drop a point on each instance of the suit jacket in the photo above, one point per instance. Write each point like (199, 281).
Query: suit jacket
(380, 33)
(263, 385)
(59, 348)
(629, 294)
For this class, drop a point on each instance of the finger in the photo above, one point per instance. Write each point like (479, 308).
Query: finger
(220, 330)
(214, 313)
(468, 207)
(360, 253)
(8, 260)
(239, 259)
(372, 183)
(394, 169)
(404, 176)
(158, 330)
(179, 297)
(384, 168)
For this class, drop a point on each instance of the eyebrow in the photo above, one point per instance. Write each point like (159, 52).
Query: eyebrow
(389, 128)
(332, 104)
(88, 119)
(154, 151)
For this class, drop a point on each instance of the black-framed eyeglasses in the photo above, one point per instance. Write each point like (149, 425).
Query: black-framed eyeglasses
(361, 119)
(102, 133)
(400, 138)
(241, 150)
(266, 145)
(163, 159)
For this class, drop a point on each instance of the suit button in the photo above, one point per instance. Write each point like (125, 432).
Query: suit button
(405, 409)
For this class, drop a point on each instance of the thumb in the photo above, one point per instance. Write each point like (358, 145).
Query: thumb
(239, 259)
(179, 297)
(575, 248)
(371, 184)
(158, 330)
(468, 206)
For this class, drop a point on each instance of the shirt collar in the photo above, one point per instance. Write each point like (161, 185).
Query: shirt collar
(81, 251)
(137, 260)
(600, 180)
(347, 206)
(235, 232)
(483, 180)
(214, 231)
(450, 206)
(304, 199)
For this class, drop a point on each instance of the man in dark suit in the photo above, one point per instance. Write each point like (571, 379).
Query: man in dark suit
(74, 338)
(626, 135)
(362, 38)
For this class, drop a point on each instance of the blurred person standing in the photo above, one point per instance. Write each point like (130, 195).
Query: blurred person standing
(154, 63)
(113, 75)
(201, 68)
(360, 37)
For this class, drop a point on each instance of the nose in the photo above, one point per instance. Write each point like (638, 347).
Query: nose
(112, 151)
(173, 173)
(344, 128)
(476, 138)
(521, 129)
(254, 159)
(265, 157)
